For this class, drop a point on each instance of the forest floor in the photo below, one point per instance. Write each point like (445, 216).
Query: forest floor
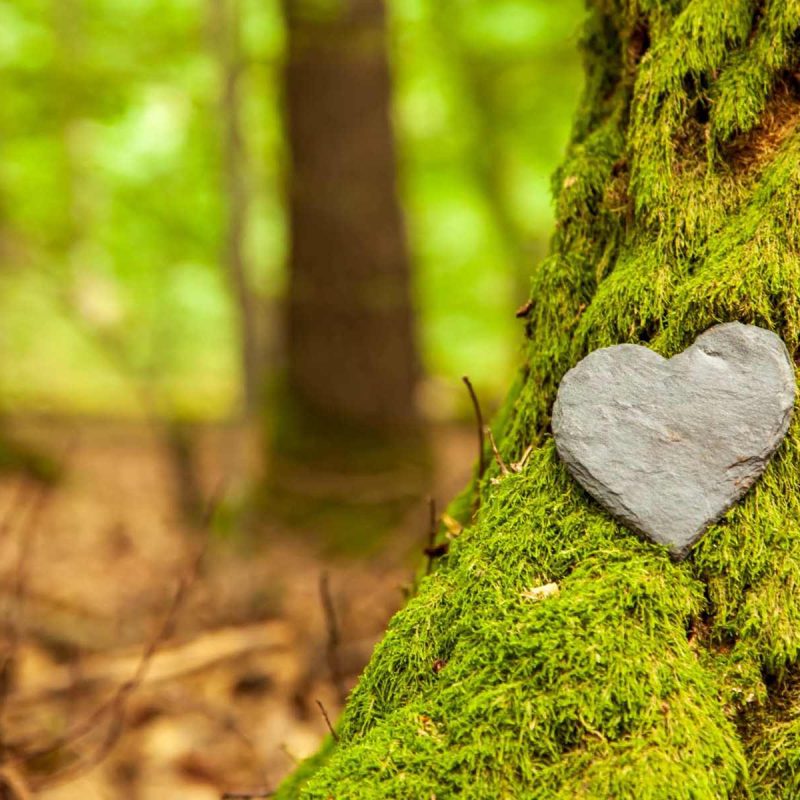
(99, 570)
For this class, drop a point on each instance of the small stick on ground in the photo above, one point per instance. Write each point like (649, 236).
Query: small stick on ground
(247, 795)
(333, 636)
(479, 422)
(328, 721)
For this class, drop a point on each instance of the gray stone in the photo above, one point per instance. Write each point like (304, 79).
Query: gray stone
(667, 446)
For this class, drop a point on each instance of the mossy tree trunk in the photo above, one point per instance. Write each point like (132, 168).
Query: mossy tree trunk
(678, 207)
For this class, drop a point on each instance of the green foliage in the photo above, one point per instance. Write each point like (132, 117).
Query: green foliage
(111, 204)
(640, 678)
(483, 95)
(112, 199)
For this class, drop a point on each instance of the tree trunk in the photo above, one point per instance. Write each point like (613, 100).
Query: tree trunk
(678, 207)
(225, 17)
(351, 349)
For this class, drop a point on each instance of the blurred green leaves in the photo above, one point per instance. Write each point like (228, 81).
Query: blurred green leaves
(485, 92)
(112, 204)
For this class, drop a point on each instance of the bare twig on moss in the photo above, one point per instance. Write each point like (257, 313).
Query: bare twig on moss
(479, 423)
(433, 550)
(518, 466)
(331, 623)
(524, 311)
(504, 470)
(327, 721)
(431, 533)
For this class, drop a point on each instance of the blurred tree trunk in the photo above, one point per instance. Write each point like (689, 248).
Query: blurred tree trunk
(226, 33)
(351, 348)
(554, 654)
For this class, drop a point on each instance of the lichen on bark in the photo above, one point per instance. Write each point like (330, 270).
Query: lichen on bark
(678, 207)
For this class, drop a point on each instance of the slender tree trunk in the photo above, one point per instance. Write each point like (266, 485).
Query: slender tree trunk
(678, 207)
(226, 25)
(351, 351)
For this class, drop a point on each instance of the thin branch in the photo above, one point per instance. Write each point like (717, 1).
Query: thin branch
(434, 550)
(518, 466)
(27, 540)
(431, 533)
(328, 721)
(479, 423)
(497, 457)
(524, 311)
(333, 636)
(247, 795)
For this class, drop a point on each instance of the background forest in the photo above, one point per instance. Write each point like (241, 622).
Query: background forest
(145, 270)
(113, 195)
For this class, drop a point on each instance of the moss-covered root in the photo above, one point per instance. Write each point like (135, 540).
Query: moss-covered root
(593, 689)
(775, 759)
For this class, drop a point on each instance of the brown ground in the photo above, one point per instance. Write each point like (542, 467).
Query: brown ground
(88, 572)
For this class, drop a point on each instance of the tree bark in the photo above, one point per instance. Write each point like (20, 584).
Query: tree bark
(678, 206)
(351, 350)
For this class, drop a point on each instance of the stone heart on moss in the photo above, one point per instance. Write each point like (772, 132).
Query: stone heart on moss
(666, 446)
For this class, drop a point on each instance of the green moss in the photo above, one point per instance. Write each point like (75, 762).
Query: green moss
(678, 206)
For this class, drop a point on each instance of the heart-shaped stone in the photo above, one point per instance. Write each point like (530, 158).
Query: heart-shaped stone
(667, 446)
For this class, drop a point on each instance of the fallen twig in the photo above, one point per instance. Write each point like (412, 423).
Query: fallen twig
(116, 706)
(168, 664)
(518, 466)
(27, 540)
